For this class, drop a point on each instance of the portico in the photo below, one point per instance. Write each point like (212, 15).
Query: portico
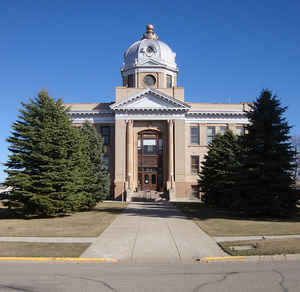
(146, 126)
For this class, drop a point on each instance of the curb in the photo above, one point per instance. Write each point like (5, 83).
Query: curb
(58, 259)
(261, 258)
(222, 259)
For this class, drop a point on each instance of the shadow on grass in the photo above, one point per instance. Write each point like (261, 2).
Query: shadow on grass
(164, 209)
(191, 210)
(204, 212)
(6, 213)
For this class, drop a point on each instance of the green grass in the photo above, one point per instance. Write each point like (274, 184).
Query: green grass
(264, 247)
(29, 249)
(217, 222)
(82, 224)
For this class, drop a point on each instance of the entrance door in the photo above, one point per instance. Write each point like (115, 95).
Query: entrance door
(149, 181)
(150, 148)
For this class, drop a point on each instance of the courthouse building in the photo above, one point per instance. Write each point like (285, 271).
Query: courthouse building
(155, 139)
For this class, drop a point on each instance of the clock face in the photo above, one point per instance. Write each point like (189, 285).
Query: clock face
(150, 51)
(149, 80)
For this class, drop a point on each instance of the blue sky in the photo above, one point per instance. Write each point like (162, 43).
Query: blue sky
(227, 51)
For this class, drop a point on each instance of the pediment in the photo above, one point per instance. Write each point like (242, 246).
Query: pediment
(150, 99)
(150, 63)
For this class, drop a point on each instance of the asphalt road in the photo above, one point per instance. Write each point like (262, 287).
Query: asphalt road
(238, 276)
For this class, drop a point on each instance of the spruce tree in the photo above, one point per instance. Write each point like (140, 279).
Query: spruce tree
(266, 176)
(296, 145)
(41, 167)
(218, 172)
(97, 179)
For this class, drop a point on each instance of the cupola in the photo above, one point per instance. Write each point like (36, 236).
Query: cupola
(149, 63)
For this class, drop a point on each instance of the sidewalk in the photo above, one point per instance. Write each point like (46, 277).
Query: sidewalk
(48, 239)
(153, 233)
(258, 237)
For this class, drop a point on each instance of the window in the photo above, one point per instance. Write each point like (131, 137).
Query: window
(150, 146)
(106, 161)
(223, 129)
(146, 179)
(194, 164)
(130, 80)
(105, 132)
(140, 144)
(153, 179)
(211, 132)
(195, 192)
(150, 51)
(194, 130)
(169, 81)
(149, 80)
(160, 145)
(239, 130)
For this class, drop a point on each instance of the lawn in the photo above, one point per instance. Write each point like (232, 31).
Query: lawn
(30, 249)
(264, 247)
(218, 222)
(82, 224)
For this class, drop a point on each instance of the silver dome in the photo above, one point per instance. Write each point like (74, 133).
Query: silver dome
(149, 53)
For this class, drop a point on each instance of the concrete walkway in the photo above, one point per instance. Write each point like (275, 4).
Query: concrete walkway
(153, 233)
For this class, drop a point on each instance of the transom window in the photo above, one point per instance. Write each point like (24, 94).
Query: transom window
(150, 146)
(149, 143)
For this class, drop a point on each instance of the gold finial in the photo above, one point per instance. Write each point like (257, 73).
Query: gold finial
(150, 35)
(43, 91)
(149, 27)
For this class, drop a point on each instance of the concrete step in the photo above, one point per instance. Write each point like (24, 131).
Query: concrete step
(145, 196)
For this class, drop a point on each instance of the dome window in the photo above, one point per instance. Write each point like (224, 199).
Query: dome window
(149, 80)
(130, 80)
(169, 81)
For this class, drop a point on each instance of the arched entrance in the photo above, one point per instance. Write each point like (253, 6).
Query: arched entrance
(150, 154)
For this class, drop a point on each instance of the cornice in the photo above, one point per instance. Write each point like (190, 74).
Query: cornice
(90, 112)
(188, 112)
(216, 113)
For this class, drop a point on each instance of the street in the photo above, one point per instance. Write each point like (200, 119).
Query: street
(222, 276)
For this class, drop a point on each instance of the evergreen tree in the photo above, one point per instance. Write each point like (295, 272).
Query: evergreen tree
(296, 145)
(218, 172)
(41, 167)
(266, 176)
(96, 180)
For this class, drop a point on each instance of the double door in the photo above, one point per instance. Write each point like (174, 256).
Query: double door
(149, 179)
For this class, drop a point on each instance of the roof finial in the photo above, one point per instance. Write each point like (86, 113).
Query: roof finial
(43, 91)
(150, 35)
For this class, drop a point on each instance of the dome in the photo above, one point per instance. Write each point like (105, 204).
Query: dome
(149, 52)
